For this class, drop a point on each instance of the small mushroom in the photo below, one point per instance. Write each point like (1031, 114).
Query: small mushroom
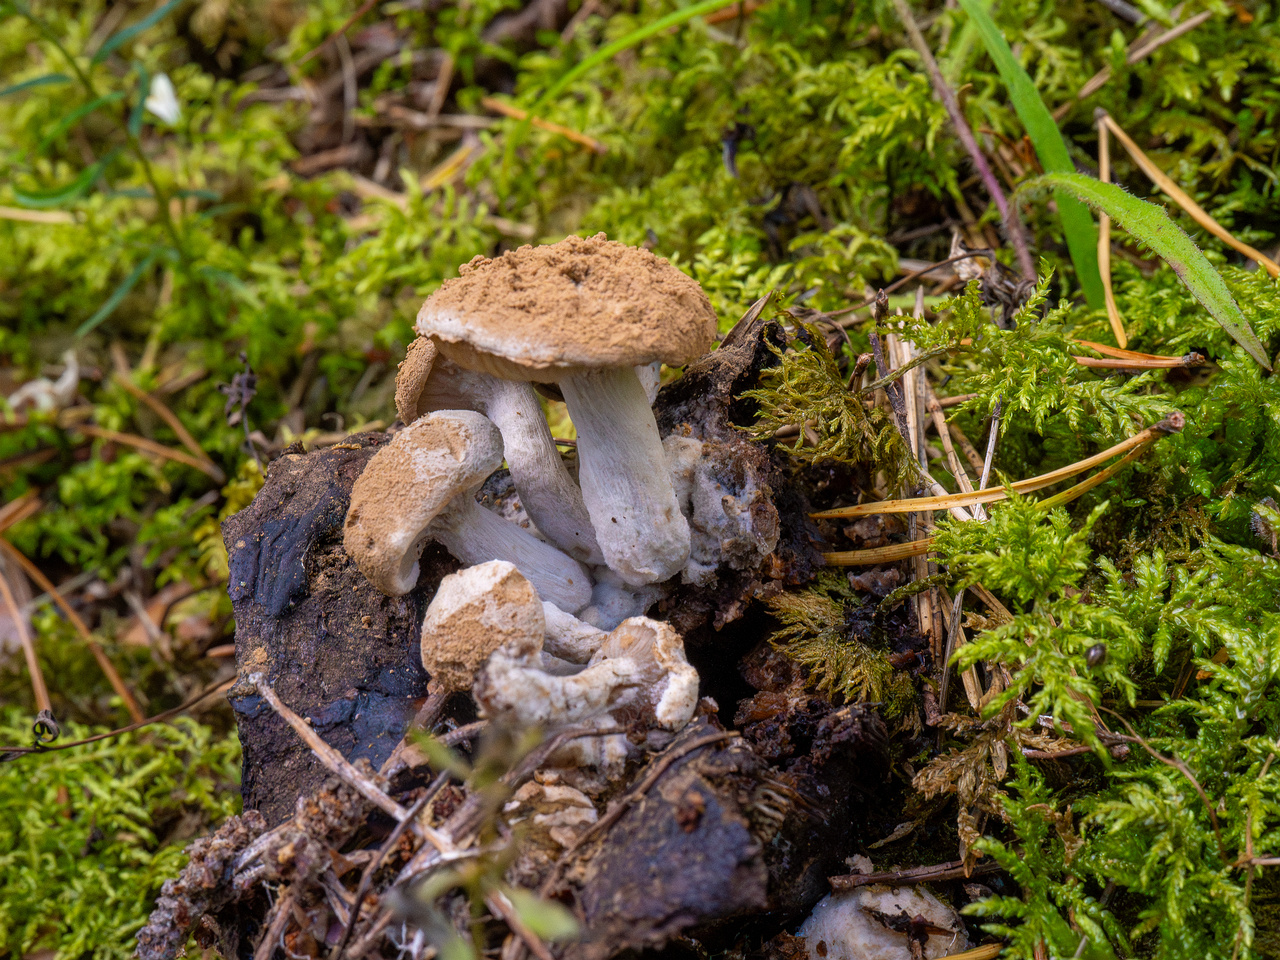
(422, 486)
(638, 679)
(427, 382)
(475, 612)
(583, 314)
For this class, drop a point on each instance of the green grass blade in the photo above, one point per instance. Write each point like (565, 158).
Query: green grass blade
(74, 117)
(1150, 224)
(71, 191)
(636, 36)
(41, 81)
(128, 33)
(118, 295)
(1077, 224)
(140, 107)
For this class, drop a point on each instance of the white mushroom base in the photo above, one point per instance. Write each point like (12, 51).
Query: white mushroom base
(844, 926)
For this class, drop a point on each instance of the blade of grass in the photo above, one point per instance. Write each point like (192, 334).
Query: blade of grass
(610, 50)
(1149, 224)
(1051, 148)
(71, 191)
(114, 300)
(128, 33)
(1104, 242)
(41, 81)
(75, 116)
(1180, 197)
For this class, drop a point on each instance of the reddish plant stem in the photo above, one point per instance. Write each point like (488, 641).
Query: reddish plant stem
(1012, 225)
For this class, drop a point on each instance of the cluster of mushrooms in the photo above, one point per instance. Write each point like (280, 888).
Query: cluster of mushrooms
(545, 623)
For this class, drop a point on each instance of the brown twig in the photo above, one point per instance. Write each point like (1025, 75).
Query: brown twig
(898, 284)
(275, 926)
(100, 655)
(38, 688)
(515, 113)
(366, 878)
(314, 51)
(169, 417)
(1182, 768)
(150, 446)
(10, 752)
(499, 904)
(953, 870)
(1140, 50)
(624, 803)
(1009, 215)
(330, 757)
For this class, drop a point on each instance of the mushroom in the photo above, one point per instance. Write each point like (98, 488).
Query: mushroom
(422, 486)
(427, 382)
(475, 612)
(638, 679)
(583, 314)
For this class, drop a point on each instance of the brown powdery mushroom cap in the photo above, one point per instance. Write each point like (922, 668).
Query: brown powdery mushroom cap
(475, 612)
(539, 313)
(421, 487)
(427, 382)
(406, 485)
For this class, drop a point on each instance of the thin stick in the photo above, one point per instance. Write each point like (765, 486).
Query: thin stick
(150, 446)
(366, 879)
(360, 12)
(1012, 226)
(444, 80)
(1180, 197)
(1140, 50)
(1182, 768)
(169, 417)
(1171, 424)
(992, 435)
(897, 284)
(38, 688)
(499, 904)
(275, 927)
(1104, 241)
(954, 870)
(100, 655)
(330, 757)
(515, 113)
(158, 718)
(622, 805)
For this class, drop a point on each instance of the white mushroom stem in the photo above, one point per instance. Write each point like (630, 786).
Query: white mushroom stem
(569, 638)
(475, 535)
(624, 478)
(523, 691)
(547, 492)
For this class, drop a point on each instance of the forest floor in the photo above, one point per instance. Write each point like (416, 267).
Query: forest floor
(1056, 705)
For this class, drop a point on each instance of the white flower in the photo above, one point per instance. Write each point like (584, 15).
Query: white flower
(162, 100)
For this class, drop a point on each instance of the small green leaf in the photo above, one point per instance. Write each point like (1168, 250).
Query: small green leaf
(74, 117)
(546, 918)
(140, 107)
(128, 33)
(120, 293)
(1151, 225)
(42, 81)
(60, 195)
(1051, 148)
